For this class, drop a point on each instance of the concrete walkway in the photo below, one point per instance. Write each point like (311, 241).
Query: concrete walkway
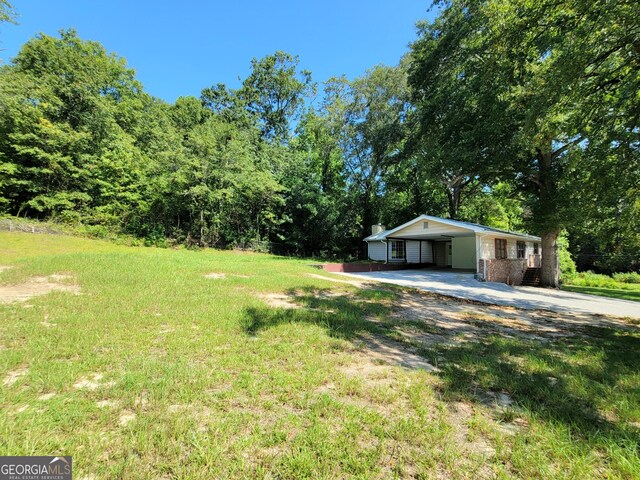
(463, 285)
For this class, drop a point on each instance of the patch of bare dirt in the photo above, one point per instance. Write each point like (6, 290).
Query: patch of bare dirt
(394, 353)
(22, 408)
(279, 300)
(4, 267)
(290, 301)
(14, 375)
(47, 323)
(94, 383)
(36, 286)
(496, 400)
(372, 373)
(201, 414)
(142, 400)
(215, 276)
(46, 396)
(461, 414)
(439, 319)
(126, 417)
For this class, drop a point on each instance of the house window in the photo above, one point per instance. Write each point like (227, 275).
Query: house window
(397, 250)
(501, 248)
(522, 249)
(425, 225)
(535, 249)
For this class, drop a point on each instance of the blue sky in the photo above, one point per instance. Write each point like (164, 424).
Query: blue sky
(178, 48)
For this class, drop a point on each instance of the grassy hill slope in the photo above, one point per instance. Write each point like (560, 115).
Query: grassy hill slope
(205, 364)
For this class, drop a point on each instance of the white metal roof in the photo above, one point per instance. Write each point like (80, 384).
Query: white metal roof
(473, 227)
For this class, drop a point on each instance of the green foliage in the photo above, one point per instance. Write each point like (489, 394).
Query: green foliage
(82, 142)
(625, 286)
(272, 95)
(590, 279)
(69, 115)
(565, 261)
(497, 207)
(484, 120)
(630, 277)
(535, 93)
(371, 112)
(7, 12)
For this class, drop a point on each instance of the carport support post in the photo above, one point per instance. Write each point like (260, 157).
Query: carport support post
(419, 252)
(386, 247)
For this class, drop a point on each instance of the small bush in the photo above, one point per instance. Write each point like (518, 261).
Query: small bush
(631, 277)
(590, 279)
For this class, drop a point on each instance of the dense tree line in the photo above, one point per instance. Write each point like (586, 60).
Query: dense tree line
(511, 113)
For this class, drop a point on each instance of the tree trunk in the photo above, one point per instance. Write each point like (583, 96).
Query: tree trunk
(547, 213)
(202, 244)
(550, 271)
(453, 195)
(367, 221)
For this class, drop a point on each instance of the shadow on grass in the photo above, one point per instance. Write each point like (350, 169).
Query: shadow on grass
(342, 316)
(588, 383)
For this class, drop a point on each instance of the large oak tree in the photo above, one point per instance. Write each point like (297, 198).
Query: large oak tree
(545, 81)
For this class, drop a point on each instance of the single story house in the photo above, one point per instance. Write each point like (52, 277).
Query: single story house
(495, 255)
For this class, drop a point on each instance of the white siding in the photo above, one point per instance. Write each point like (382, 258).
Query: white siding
(464, 252)
(376, 251)
(434, 229)
(427, 252)
(488, 247)
(413, 251)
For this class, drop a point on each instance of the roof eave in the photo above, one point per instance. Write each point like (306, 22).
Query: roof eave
(472, 228)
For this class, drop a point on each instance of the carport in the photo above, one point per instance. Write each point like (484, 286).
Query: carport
(497, 255)
(426, 240)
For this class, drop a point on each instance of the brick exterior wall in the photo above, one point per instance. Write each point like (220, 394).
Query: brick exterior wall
(510, 271)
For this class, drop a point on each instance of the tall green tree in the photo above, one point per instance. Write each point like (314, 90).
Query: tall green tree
(316, 211)
(374, 109)
(550, 77)
(275, 91)
(272, 96)
(69, 114)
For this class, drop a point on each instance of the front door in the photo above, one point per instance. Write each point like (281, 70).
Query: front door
(449, 254)
(440, 254)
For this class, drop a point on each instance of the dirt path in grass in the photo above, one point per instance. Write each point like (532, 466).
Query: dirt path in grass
(423, 320)
(36, 286)
(414, 320)
(436, 318)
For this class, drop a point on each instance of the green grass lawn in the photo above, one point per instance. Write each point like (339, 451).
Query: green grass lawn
(624, 294)
(155, 371)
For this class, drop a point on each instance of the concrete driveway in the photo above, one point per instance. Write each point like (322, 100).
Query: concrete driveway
(463, 285)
